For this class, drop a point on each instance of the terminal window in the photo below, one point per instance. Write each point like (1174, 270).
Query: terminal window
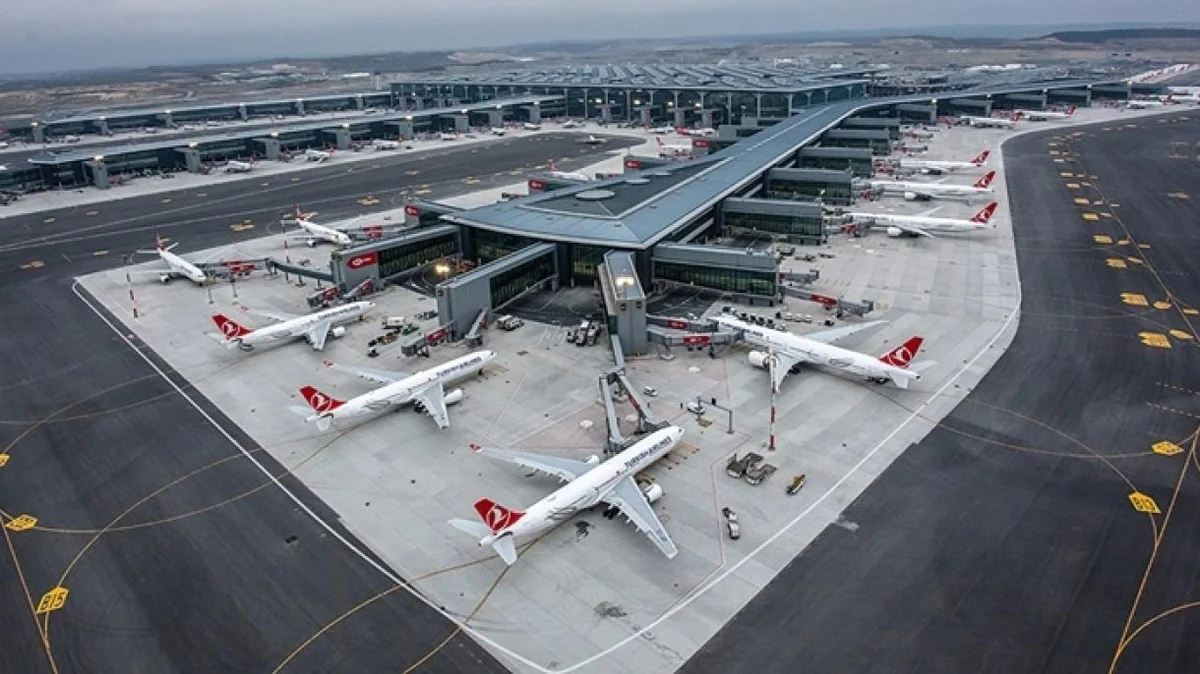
(408, 256)
(584, 260)
(512, 282)
(491, 246)
(833, 193)
(777, 224)
(746, 281)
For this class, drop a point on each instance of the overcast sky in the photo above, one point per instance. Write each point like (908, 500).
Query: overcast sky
(43, 35)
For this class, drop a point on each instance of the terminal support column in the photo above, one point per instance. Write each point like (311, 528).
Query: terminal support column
(39, 133)
(241, 112)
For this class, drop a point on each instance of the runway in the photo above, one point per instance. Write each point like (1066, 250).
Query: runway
(176, 552)
(1038, 528)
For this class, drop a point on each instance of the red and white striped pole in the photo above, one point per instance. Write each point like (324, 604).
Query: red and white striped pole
(774, 390)
(133, 300)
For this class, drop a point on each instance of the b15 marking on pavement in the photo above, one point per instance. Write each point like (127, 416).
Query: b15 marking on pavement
(1166, 448)
(1155, 340)
(52, 600)
(1102, 238)
(21, 523)
(1091, 217)
(1143, 503)
(1136, 299)
(1116, 263)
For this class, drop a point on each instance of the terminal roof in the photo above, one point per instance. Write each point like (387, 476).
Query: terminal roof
(148, 112)
(627, 213)
(168, 143)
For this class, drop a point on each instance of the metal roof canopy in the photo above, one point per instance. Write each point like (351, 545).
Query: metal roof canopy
(143, 112)
(83, 155)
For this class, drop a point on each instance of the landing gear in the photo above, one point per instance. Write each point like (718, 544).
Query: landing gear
(878, 380)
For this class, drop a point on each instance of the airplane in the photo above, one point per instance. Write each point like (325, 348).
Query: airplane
(570, 124)
(498, 131)
(314, 328)
(530, 126)
(177, 267)
(233, 166)
(382, 144)
(937, 167)
(317, 233)
(992, 122)
(317, 155)
(1046, 115)
(589, 483)
(1184, 98)
(3, 145)
(575, 176)
(449, 136)
(425, 390)
(922, 224)
(670, 149)
(592, 140)
(787, 351)
(927, 191)
(696, 132)
(661, 130)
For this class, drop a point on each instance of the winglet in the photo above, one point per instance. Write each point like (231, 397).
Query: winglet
(495, 516)
(902, 355)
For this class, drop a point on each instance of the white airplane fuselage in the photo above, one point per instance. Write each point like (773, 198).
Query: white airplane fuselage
(813, 352)
(948, 166)
(993, 122)
(403, 392)
(590, 488)
(323, 233)
(238, 167)
(923, 221)
(932, 189)
(296, 327)
(182, 268)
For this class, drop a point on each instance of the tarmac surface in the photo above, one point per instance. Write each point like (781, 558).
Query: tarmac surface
(1017, 536)
(178, 552)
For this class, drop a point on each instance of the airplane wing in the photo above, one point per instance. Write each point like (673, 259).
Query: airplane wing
(316, 335)
(913, 229)
(278, 316)
(782, 365)
(633, 505)
(370, 374)
(925, 214)
(433, 399)
(827, 336)
(565, 470)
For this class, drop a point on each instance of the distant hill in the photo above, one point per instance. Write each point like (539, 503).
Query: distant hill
(1103, 36)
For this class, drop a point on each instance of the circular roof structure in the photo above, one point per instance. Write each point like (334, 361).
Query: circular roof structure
(638, 181)
(595, 195)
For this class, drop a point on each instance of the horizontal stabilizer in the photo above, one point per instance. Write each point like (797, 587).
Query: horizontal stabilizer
(506, 548)
(477, 530)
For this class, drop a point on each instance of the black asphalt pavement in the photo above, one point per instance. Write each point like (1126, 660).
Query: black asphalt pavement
(1007, 540)
(178, 554)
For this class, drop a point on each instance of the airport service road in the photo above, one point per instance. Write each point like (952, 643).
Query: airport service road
(86, 238)
(176, 552)
(1007, 540)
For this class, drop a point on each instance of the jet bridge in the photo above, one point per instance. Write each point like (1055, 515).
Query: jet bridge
(647, 422)
(840, 305)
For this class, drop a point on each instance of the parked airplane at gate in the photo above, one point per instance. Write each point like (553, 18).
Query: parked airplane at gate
(926, 191)
(922, 224)
(1046, 115)
(787, 351)
(317, 155)
(672, 149)
(992, 122)
(239, 166)
(315, 233)
(575, 176)
(588, 484)
(1142, 104)
(382, 144)
(314, 328)
(177, 267)
(425, 390)
(937, 167)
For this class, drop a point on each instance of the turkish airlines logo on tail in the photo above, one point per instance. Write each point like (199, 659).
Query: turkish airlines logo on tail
(985, 181)
(228, 327)
(495, 516)
(902, 355)
(320, 402)
(983, 216)
(982, 158)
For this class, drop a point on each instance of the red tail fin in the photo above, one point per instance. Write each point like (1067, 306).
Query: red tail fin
(230, 327)
(902, 355)
(1070, 111)
(495, 516)
(983, 216)
(986, 180)
(320, 402)
(981, 158)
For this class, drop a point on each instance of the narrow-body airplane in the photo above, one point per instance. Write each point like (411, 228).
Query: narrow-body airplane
(588, 483)
(672, 148)
(786, 351)
(314, 328)
(177, 267)
(575, 176)
(425, 390)
(233, 166)
(317, 155)
(382, 144)
(1046, 115)
(992, 122)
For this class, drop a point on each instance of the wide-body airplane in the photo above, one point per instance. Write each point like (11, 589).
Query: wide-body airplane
(314, 328)
(588, 484)
(786, 351)
(925, 191)
(922, 224)
(938, 166)
(424, 389)
(1046, 115)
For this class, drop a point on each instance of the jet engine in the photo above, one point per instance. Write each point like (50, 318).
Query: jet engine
(932, 171)
(337, 332)
(759, 358)
(916, 196)
(164, 278)
(592, 460)
(651, 490)
(451, 397)
(895, 232)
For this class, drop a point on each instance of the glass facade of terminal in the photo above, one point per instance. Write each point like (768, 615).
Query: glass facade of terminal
(744, 281)
(407, 256)
(809, 229)
(20, 177)
(491, 246)
(583, 263)
(861, 168)
(508, 284)
(838, 194)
